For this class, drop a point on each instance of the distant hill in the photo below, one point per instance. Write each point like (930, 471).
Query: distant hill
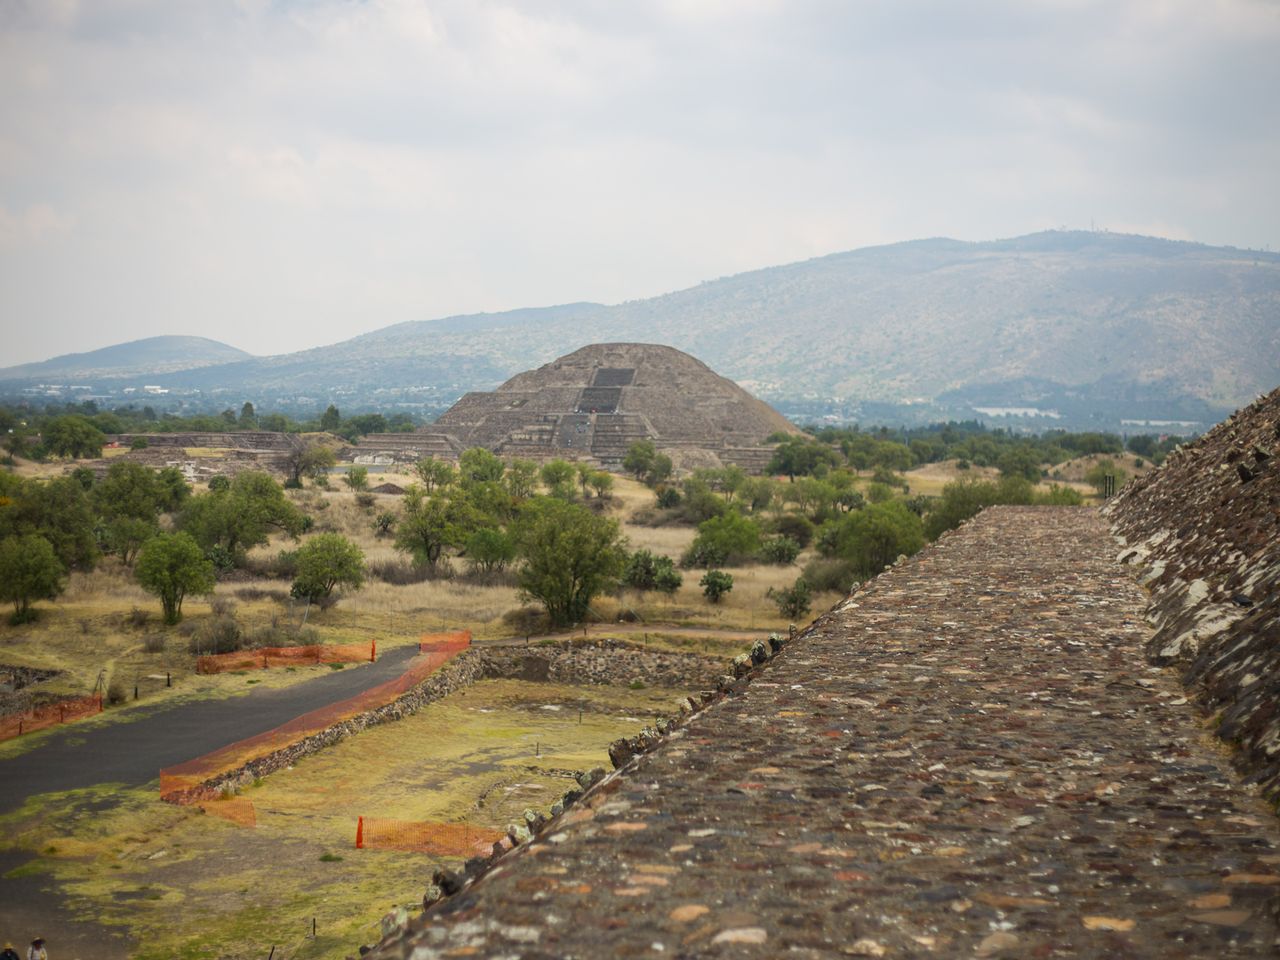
(153, 355)
(1078, 321)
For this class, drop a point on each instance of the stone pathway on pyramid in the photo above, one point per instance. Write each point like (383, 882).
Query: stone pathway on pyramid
(968, 757)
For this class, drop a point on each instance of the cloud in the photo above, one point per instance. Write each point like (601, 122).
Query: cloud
(280, 173)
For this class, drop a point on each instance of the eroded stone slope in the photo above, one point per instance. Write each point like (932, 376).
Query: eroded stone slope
(1204, 532)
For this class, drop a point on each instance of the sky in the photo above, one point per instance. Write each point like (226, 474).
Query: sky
(280, 175)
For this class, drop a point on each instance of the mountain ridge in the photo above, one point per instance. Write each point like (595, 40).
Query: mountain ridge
(1085, 313)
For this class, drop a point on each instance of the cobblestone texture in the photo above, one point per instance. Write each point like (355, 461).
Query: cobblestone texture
(968, 757)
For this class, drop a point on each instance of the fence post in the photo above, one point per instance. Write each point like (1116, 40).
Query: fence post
(373, 650)
(360, 833)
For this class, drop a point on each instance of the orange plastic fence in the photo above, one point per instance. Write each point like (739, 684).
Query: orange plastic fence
(49, 714)
(439, 839)
(265, 657)
(236, 809)
(187, 782)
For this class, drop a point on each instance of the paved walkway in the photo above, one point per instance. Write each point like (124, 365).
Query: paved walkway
(968, 758)
(133, 752)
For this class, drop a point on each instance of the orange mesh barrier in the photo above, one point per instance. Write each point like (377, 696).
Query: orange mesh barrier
(433, 641)
(49, 714)
(188, 782)
(438, 839)
(236, 809)
(265, 657)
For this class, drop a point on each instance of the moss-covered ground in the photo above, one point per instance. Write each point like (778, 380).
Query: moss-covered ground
(189, 885)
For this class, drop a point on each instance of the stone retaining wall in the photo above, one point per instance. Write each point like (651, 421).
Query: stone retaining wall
(595, 661)
(1203, 531)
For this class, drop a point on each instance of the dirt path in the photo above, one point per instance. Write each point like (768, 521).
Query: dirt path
(969, 758)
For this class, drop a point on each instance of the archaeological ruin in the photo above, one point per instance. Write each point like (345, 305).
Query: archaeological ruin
(597, 401)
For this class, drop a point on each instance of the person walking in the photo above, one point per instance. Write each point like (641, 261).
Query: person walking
(9, 953)
(37, 951)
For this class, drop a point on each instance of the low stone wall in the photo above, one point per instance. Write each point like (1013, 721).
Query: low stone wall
(607, 662)
(1203, 531)
(603, 661)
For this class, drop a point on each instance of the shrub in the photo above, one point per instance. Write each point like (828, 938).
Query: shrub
(1057, 496)
(117, 692)
(223, 560)
(222, 607)
(401, 572)
(383, 523)
(779, 550)
(526, 621)
(797, 527)
(668, 498)
(153, 643)
(219, 483)
(649, 571)
(830, 574)
(218, 634)
(137, 617)
(731, 538)
(365, 500)
(792, 601)
(715, 584)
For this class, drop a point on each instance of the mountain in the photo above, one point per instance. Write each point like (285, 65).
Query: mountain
(1080, 325)
(153, 355)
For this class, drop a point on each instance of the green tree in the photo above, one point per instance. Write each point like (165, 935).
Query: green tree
(325, 561)
(248, 419)
(331, 419)
(570, 555)
(307, 458)
(383, 523)
(601, 482)
(521, 478)
(72, 436)
(128, 499)
(29, 571)
(715, 584)
(793, 601)
(57, 510)
(357, 478)
(489, 550)
(171, 566)
(639, 458)
(557, 476)
(242, 516)
(478, 465)
(798, 456)
(434, 474)
(873, 538)
(732, 538)
(429, 524)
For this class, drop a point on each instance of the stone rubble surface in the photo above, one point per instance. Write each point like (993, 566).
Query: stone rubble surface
(1204, 532)
(969, 757)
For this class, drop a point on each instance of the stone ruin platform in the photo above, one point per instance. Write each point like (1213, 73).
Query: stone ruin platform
(594, 403)
(967, 757)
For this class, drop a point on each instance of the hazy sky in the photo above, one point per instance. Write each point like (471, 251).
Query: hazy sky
(281, 175)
